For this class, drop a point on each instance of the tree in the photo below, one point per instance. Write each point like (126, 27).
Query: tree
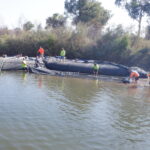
(87, 11)
(114, 45)
(28, 26)
(17, 31)
(137, 9)
(147, 35)
(56, 20)
(4, 30)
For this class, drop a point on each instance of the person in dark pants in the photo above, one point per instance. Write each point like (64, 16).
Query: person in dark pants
(37, 62)
(62, 54)
(95, 69)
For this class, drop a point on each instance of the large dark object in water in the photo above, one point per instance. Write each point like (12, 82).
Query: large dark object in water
(106, 68)
(80, 66)
(44, 71)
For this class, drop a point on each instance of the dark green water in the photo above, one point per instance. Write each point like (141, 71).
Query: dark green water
(55, 113)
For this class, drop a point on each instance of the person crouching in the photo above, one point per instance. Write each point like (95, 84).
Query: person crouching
(134, 75)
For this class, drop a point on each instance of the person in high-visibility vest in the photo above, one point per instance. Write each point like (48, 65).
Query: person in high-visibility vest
(96, 69)
(24, 64)
(62, 54)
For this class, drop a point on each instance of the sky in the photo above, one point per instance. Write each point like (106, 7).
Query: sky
(13, 13)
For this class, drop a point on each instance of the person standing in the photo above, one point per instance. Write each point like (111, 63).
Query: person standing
(95, 69)
(62, 54)
(41, 52)
(24, 64)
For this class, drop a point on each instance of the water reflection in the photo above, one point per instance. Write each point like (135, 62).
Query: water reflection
(76, 92)
(43, 112)
(132, 117)
(24, 76)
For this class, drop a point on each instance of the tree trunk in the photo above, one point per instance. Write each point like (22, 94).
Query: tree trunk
(139, 30)
(139, 27)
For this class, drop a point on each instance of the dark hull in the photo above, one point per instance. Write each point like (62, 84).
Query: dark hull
(44, 71)
(106, 68)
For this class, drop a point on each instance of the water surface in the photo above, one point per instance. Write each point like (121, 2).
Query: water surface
(56, 113)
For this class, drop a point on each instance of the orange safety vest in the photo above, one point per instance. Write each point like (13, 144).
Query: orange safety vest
(41, 51)
(134, 74)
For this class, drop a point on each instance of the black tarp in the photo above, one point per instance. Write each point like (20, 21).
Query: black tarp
(106, 68)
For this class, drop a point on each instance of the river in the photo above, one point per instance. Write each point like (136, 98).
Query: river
(40, 112)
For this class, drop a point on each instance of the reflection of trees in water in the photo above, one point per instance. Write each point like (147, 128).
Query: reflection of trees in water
(125, 102)
(132, 113)
(77, 92)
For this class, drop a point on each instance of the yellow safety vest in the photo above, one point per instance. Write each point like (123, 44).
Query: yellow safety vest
(24, 65)
(96, 67)
(63, 53)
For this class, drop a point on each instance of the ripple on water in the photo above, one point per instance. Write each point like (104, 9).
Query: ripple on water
(43, 113)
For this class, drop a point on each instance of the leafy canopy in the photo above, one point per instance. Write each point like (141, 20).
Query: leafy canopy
(56, 20)
(137, 9)
(28, 26)
(86, 11)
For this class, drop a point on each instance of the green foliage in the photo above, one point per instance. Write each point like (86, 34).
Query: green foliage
(86, 39)
(87, 11)
(113, 46)
(123, 43)
(71, 6)
(136, 10)
(140, 59)
(56, 21)
(28, 26)
(120, 2)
